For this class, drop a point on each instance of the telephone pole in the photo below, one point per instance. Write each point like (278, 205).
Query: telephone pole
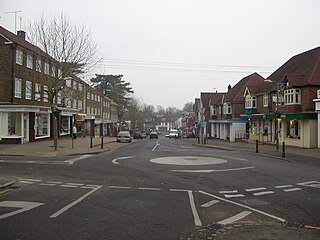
(15, 19)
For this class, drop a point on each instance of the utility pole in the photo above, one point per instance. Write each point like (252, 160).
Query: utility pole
(15, 19)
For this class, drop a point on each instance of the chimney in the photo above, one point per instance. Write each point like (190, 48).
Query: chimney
(229, 87)
(22, 34)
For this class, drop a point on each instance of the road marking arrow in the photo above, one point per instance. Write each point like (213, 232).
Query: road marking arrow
(24, 206)
(115, 161)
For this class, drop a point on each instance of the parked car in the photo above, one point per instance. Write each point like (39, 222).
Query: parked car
(124, 136)
(173, 133)
(144, 134)
(153, 135)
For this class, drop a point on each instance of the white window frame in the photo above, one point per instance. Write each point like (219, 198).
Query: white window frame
(227, 108)
(46, 68)
(37, 92)
(250, 102)
(265, 100)
(68, 82)
(45, 93)
(19, 57)
(28, 90)
(18, 88)
(80, 105)
(29, 61)
(292, 96)
(53, 71)
(38, 65)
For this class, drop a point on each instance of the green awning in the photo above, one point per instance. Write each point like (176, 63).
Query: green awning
(298, 116)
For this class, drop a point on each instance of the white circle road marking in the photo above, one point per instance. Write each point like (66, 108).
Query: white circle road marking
(188, 160)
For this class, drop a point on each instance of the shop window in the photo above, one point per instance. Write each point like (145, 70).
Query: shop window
(18, 88)
(293, 129)
(65, 125)
(13, 121)
(42, 125)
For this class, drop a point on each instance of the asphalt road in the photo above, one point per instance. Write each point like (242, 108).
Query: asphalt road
(160, 189)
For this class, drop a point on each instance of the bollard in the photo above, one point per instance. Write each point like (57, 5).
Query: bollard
(198, 140)
(283, 150)
(205, 141)
(257, 149)
(91, 142)
(102, 142)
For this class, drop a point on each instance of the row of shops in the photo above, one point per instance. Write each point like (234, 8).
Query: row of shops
(20, 124)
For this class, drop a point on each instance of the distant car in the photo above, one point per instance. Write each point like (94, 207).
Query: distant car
(124, 136)
(190, 135)
(144, 135)
(153, 135)
(137, 135)
(173, 133)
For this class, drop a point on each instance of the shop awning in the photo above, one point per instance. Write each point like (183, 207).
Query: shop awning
(298, 116)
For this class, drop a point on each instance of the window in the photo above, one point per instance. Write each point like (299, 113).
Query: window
(88, 95)
(75, 85)
(250, 102)
(68, 83)
(292, 96)
(45, 93)
(59, 73)
(80, 87)
(29, 61)
(74, 104)
(59, 97)
(18, 88)
(293, 129)
(79, 104)
(265, 100)
(227, 108)
(46, 68)
(28, 90)
(53, 71)
(42, 125)
(37, 92)
(19, 57)
(38, 65)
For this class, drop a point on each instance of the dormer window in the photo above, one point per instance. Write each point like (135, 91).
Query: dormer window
(250, 102)
(292, 96)
(213, 110)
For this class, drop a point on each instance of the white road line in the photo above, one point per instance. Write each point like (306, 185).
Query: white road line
(54, 182)
(24, 206)
(120, 187)
(26, 182)
(240, 159)
(178, 190)
(151, 189)
(284, 186)
(48, 184)
(115, 161)
(69, 186)
(292, 189)
(62, 210)
(210, 203)
(244, 206)
(87, 187)
(213, 170)
(234, 195)
(255, 189)
(197, 220)
(90, 185)
(73, 160)
(263, 193)
(235, 218)
(31, 180)
(232, 191)
(314, 184)
(76, 184)
(155, 147)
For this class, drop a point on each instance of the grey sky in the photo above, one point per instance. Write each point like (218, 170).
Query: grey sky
(171, 50)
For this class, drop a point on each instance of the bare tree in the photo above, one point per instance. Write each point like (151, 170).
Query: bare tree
(74, 50)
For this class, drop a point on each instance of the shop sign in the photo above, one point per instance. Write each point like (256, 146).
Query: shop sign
(80, 118)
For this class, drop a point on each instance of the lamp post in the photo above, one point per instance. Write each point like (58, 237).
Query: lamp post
(276, 109)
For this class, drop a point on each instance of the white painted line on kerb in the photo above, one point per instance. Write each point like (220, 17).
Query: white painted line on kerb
(234, 195)
(62, 210)
(151, 189)
(263, 193)
(120, 187)
(284, 186)
(255, 189)
(213, 170)
(73, 160)
(197, 220)
(210, 203)
(292, 189)
(232, 191)
(235, 218)
(244, 206)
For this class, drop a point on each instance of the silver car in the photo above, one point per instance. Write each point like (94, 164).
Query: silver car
(124, 136)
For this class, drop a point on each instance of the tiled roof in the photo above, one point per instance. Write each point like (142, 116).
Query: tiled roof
(211, 97)
(252, 82)
(23, 43)
(301, 70)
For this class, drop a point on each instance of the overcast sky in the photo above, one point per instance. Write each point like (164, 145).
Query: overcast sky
(171, 50)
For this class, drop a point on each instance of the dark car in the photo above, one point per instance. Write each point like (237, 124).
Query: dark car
(153, 135)
(137, 135)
